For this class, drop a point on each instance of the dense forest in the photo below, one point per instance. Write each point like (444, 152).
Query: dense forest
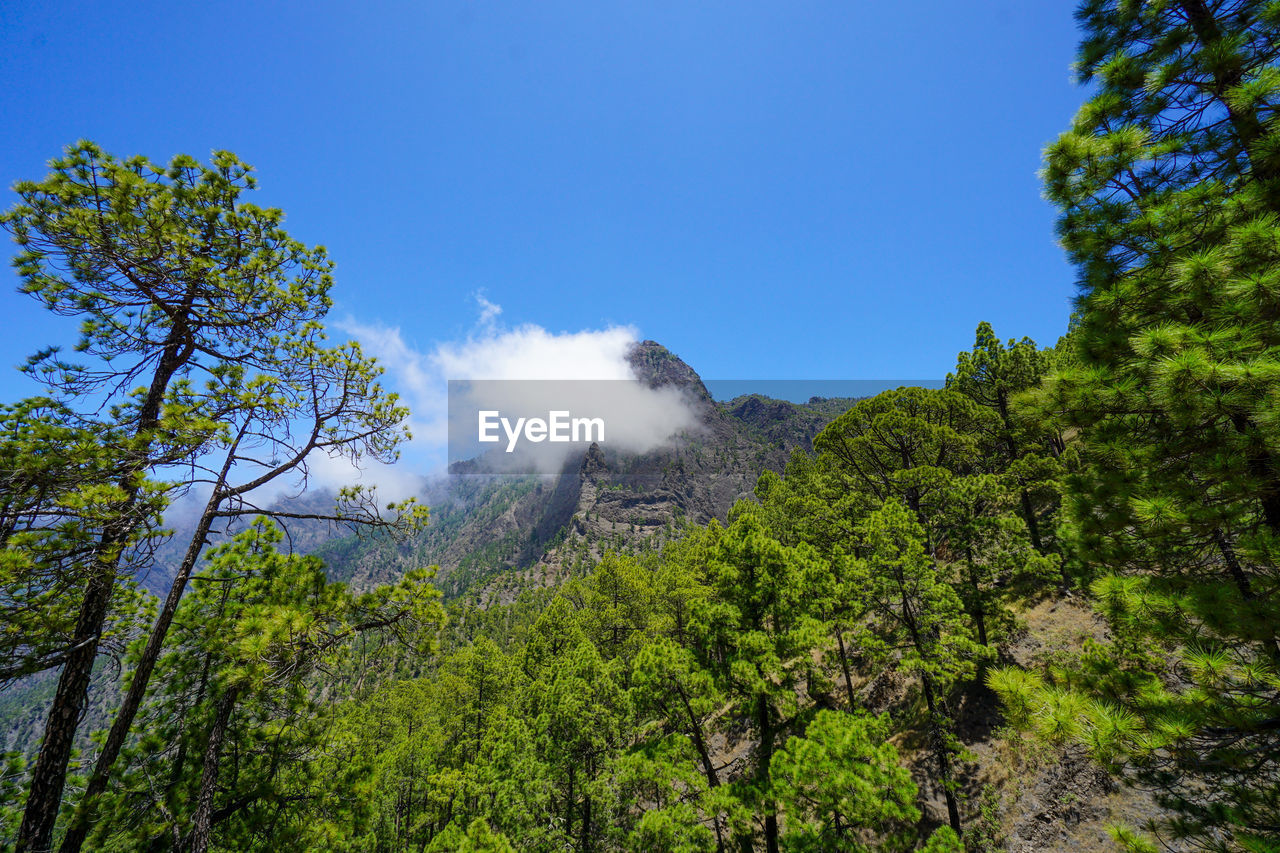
(854, 658)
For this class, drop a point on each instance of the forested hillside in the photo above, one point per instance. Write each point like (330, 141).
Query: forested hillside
(1037, 609)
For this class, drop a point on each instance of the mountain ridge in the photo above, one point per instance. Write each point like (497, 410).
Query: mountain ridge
(486, 524)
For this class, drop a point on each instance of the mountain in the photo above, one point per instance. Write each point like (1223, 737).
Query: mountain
(483, 525)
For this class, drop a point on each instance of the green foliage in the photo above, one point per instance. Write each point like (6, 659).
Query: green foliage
(753, 635)
(478, 838)
(237, 687)
(840, 779)
(684, 698)
(906, 444)
(1169, 192)
(201, 359)
(916, 618)
(943, 840)
(60, 480)
(597, 716)
(994, 374)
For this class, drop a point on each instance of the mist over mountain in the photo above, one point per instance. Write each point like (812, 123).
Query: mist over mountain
(486, 521)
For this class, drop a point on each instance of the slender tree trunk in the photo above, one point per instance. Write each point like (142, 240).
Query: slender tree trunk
(844, 666)
(699, 742)
(704, 755)
(49, 776)
(979, 616)
(937, 736)
(585, 845)
(1246, 124)
(201, 823)
(175, 775)
(568, 808)
(762, 775)
(44, 795)
(1033, 524)
(941, 752)
(1028, 511)
(119, 732)
(1242, 583)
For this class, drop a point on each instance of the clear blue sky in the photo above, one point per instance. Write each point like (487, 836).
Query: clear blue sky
(778, 190)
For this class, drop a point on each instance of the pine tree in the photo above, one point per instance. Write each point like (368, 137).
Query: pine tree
(238, 681)
(57, 474)
(842, 782)
(616, 605)
(478, 837)
(907, 445)
(993, 563)
(1169, 189)
(992, 374)
(915, 622)
(668, 685)
(577, 709)
(946, 457)
(202, 346)
(754, 636)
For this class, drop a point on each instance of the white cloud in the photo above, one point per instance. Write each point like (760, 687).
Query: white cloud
(488, 311)
(641, 418)
(531, 352)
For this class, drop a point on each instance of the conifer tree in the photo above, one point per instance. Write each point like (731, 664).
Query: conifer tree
(754, 635)
(667, 684)
(842, 782)
(237, 680)
(616, 605)
(916, 622)
(578, 713)
(1168, 184)
(939, 453)
(478, 837)
(57, 474)
(202, 348)
(908, 445)
(992, 374)
(993, 563)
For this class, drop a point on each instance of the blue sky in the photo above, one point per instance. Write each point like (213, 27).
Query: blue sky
(773, 190)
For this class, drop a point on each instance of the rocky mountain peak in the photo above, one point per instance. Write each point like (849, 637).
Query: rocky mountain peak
(657, 366)
(593, 463)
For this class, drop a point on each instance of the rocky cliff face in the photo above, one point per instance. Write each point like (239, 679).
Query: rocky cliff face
(483, 526)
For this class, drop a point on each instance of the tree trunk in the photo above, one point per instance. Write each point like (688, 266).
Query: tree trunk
(201, 823)
(704, 755)
(1241, 581)
(1033, 524)
(1247, 125)
(568, 808)
(119, 732)
(762, 776)
(942, 753)
(844, 666)
(585, 845)
(49, 776)
(979, 615)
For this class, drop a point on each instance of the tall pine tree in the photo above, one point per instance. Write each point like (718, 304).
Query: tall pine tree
(1168, 184)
